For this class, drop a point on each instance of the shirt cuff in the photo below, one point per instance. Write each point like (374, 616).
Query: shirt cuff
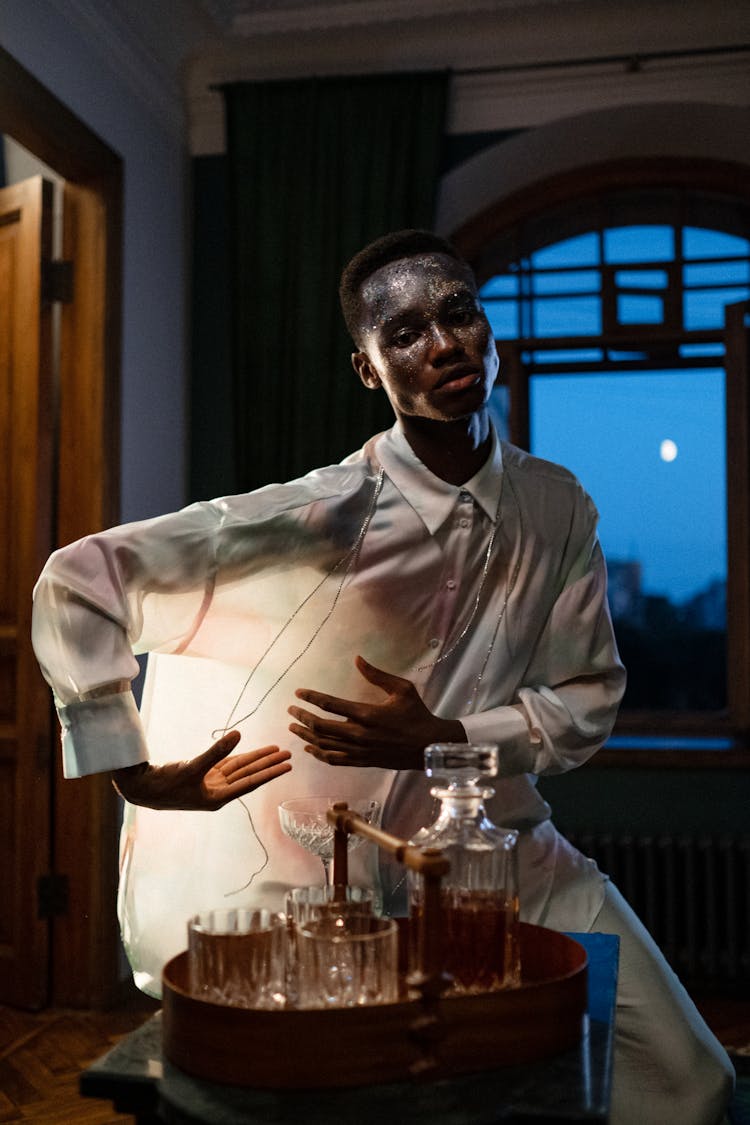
(508, 730)
(101, 734)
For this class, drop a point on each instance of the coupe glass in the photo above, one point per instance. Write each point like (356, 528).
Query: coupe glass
(304, 820)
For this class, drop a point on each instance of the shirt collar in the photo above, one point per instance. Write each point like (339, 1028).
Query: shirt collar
(431, 498)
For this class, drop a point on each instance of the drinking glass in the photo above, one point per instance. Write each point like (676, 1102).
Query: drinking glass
(304, 820)
(238, 957)
(306, 904)
(347, 962)
(303, 904)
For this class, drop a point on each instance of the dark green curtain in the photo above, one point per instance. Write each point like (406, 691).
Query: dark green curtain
(317, 168)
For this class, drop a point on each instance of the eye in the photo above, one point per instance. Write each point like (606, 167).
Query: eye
(404, 337)
(461, 316)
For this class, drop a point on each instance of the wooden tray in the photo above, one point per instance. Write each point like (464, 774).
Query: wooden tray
(383, 1043)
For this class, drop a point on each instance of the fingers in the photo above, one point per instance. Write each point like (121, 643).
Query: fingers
(331, 757)
(330, 728)
(322, 742)
(380, 678)
(350, 708)
(241, 775)
(244, 785)
(220, 749)
(253, 763)
(347, 708)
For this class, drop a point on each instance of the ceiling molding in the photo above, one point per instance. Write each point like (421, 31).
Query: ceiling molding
(247, 18)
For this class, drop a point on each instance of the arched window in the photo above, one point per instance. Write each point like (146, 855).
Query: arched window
(610, 314)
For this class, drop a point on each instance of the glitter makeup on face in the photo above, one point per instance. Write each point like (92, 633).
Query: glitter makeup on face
(426, 338)
(399, 283)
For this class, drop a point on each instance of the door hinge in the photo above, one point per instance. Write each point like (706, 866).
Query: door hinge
(57, 281)
(52, 895)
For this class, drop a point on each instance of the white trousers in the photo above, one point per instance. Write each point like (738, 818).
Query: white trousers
(669, 1069)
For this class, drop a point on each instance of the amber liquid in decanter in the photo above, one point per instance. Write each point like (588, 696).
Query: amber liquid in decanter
(479, 897)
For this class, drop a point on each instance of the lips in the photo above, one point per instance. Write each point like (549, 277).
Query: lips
(460, 377)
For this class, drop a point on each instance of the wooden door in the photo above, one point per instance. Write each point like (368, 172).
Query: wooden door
(84, 813)
(26, 445)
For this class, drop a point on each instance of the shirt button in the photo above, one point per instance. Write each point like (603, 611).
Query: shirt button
(451, 584)
(434, 643)
(463, 523)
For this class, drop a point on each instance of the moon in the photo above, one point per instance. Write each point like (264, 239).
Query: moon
(668, 450)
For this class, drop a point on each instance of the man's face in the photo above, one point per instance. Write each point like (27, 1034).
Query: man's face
(426, 339)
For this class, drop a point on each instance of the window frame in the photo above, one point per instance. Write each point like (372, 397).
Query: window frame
(484, 241)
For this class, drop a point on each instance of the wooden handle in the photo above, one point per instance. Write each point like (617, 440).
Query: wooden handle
(428, 978)
(346, 822)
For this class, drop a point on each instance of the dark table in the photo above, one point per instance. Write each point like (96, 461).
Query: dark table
(574, 1086)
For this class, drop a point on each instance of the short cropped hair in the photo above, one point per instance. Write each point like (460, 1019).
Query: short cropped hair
(389, 248)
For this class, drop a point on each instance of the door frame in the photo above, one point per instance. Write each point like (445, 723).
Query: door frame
(84, 966)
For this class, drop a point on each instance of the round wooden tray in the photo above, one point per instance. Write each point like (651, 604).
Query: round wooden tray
(384, 1043)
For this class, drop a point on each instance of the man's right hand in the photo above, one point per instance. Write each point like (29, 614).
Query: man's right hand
(205, 783)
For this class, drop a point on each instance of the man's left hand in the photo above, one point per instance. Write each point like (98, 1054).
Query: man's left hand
(391, 734)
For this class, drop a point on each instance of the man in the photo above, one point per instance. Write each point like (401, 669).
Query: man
(438, 585)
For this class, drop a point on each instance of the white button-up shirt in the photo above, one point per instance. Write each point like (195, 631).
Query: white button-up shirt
(247, 598)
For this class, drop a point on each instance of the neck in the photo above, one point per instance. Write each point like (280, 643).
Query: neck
(453, 451)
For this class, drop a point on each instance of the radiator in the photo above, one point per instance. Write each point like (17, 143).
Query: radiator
(692, 893)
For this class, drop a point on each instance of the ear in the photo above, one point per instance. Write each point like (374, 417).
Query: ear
(364, 368)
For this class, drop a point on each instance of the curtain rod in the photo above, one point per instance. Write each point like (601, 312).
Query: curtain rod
(633, 61)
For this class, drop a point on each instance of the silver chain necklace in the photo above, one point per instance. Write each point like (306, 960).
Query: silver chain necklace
(509, 587)
(348, 561)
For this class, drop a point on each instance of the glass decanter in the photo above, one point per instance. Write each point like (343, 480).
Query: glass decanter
(479, 895)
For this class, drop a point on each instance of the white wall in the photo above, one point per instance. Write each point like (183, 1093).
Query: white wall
(689, 129)
(140, 117)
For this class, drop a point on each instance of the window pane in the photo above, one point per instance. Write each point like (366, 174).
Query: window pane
(635, 309)
(639, 244)
(501, 285)
(649, 447)
(641, 279)
(704, 308)
(583, 250)
(503, 318)
(567, 355)
(618, 355)
(569, 281)
(699, 243)
(567, 316)
(718, 273)
(688, 350)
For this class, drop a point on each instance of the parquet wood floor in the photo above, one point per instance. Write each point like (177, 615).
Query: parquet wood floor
(43, 1053)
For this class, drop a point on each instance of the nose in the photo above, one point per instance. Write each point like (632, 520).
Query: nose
(445, 343)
